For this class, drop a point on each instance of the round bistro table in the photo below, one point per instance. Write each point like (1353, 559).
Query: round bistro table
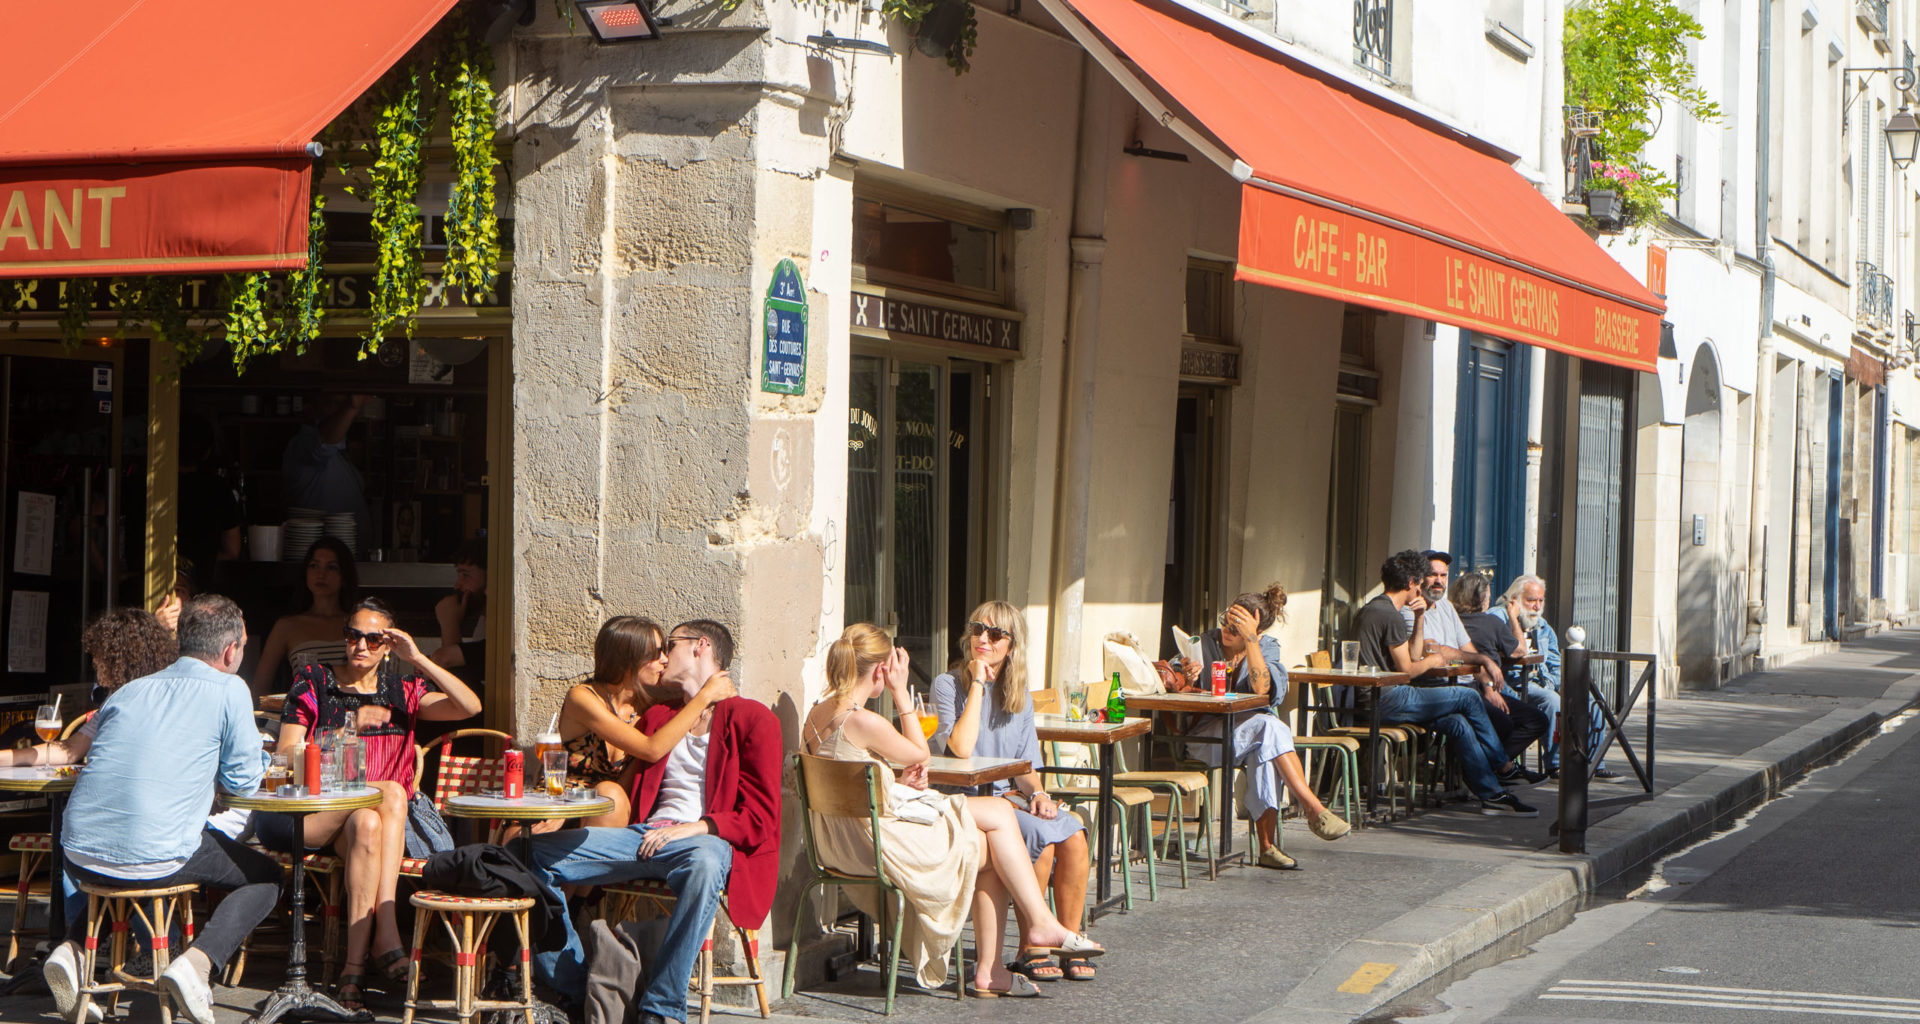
(295, 998)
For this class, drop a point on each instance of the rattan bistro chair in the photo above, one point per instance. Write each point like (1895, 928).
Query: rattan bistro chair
(843, 790)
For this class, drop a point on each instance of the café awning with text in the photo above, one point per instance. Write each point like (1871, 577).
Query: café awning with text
(175, 136)
(1347, 197)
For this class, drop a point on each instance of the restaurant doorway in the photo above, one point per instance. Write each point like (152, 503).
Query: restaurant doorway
(1489, 484)
(71, 514)
(916, 482)
(1188, 589)
(1346, 580)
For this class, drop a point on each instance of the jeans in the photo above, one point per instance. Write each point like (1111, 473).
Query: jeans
(1549, 704)
(696, 868)
(1460, 714)
(1258, 739)
(1518, 726)
(251, 880)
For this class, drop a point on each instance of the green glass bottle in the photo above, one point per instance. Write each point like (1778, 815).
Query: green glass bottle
(1116, 705)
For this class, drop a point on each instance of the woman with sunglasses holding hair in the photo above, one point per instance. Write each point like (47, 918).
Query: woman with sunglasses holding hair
(985, 711)
(385, 686)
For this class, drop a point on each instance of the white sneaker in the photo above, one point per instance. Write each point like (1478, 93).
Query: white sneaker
(189, 989)
(61, 971)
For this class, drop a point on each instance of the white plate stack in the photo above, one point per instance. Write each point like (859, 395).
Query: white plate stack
(303, 527)
(342, 527)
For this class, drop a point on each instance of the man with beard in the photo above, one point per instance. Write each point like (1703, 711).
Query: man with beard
(1525, 603)
(1446, 636)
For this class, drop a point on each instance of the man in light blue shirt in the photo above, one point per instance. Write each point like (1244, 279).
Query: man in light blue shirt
(137, 816)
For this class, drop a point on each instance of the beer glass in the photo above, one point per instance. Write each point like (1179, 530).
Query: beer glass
(46, 725)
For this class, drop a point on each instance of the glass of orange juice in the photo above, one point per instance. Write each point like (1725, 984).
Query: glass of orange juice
(929, 722)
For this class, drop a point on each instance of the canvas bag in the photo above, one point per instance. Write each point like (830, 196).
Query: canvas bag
(1120, 652)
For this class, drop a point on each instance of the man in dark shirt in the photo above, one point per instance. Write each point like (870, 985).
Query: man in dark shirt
(209, 520)
(1386, 642)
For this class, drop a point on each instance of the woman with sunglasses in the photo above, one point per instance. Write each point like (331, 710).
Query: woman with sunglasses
(958, 843)
(382, 701)
(1264, 739)
(991, 715)
(312, 634)
(597, 722)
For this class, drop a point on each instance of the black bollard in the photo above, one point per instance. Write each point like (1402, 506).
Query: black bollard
(1576, 734)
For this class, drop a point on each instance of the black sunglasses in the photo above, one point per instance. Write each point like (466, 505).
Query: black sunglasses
(374, 640)
(679, 639)
(994, 633)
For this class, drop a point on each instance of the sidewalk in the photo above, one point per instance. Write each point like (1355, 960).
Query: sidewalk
(1376, 913)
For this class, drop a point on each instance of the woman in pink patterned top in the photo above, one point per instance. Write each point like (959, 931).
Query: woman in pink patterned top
(382, 701)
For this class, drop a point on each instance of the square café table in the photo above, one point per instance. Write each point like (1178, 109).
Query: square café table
(1229, 708)
(1061, 729)
(973, 772)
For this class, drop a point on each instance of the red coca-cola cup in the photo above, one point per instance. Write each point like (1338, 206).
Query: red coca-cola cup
(1219, 679)
(516, 772)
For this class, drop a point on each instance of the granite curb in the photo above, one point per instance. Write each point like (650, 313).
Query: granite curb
(1366, 973)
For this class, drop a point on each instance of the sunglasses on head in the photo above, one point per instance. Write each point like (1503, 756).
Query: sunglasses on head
(374, 640)
(993, 634)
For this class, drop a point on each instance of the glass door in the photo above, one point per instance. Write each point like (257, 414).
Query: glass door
(63, 546)
(913, 483)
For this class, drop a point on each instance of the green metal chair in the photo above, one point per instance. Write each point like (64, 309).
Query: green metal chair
(1125, 798)
(851, 789)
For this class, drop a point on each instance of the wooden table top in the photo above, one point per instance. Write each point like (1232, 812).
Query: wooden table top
(345, 800)
(1197, 703)
(39, 779)
(1528, 659)
(1345, 677)
(525, 808)
(1058, 729)
(974, 771)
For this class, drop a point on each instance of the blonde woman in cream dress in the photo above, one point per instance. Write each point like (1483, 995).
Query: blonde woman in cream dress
(971, 850)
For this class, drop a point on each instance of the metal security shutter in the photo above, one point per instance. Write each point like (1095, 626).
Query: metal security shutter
(1601, 511)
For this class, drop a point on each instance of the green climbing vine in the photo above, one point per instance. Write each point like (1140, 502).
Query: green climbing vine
(473, 232)
(393, 191)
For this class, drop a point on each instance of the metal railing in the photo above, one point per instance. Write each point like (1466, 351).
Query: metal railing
(1373, 36)
(1616, 703)
(1874, 291)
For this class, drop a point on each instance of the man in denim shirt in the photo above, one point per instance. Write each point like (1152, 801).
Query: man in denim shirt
(138, 813)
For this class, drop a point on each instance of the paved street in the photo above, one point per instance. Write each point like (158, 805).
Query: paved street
(1807, 912)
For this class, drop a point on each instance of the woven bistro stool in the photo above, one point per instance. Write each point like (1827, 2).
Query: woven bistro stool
(468, 921)
(116, 906)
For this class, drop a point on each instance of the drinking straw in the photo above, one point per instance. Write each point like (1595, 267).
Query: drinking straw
(56, 703)
(553, 724)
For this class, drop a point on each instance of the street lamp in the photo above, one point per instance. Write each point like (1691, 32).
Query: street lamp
(1903, 137)
(1902, 129)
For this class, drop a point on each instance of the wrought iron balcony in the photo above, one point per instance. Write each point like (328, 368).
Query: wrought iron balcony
(1872, 15)
(1373, 36)
(1874, 292)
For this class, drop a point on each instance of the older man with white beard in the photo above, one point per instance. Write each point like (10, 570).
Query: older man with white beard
(1525, 604)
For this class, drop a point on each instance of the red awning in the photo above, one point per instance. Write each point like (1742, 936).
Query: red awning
(168, 136)
(1352, 200)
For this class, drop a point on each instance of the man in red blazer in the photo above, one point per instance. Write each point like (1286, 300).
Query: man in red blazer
(706, 821)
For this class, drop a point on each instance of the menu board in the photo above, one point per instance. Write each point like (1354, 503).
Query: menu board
(33, 534)
(27, 632)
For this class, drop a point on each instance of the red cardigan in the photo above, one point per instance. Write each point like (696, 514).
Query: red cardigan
(744, 755)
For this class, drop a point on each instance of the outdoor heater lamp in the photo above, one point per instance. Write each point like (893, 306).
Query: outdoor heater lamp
(618, 21)
(1903, 137)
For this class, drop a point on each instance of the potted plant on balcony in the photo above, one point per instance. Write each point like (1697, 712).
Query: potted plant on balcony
(1623, 60)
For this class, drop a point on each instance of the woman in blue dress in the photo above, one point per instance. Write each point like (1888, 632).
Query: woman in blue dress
(985, 711)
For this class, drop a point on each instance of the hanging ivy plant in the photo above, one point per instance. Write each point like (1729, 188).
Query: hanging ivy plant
(393, 190)
(473, 232)
(76, 309)
(304, 315)
(941, 28)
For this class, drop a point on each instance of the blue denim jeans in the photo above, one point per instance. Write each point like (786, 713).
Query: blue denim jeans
(1549, 704)
(696, 868)
(1459, 713)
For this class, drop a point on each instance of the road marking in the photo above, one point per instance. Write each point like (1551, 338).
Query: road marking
(1777, 1000)
(1369, 975)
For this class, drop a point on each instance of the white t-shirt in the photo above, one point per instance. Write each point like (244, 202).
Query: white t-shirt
(683, 788)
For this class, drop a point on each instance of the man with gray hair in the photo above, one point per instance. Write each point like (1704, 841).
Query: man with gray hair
(1524, 606)
(138, 811)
